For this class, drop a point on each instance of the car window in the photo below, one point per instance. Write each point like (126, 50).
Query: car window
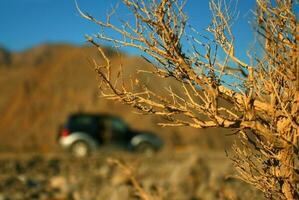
(119, 126)
(83, 120)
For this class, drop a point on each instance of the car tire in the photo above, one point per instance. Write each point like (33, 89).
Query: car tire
(145, 148)
(80, 149)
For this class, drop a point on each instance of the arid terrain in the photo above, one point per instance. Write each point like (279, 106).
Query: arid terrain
(178, 175)
(40, 87)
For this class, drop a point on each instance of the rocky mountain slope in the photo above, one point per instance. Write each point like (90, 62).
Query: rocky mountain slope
(41, 86)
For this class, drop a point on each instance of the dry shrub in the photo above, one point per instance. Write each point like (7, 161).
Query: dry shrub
(261, 98)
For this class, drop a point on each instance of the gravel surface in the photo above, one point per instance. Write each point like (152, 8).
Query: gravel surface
(177, 175)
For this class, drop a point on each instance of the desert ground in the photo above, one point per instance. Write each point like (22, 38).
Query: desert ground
(178, 174)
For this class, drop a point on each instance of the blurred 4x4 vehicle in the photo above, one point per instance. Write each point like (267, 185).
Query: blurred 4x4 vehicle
(84, 132)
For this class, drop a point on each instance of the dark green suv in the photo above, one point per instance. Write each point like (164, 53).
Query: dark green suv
(84, 132)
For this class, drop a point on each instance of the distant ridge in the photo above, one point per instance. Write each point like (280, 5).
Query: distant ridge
(41, 54)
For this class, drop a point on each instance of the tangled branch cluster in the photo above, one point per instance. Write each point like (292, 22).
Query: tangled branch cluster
(260, 100)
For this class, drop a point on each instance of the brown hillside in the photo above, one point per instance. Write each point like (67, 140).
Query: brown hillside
(43, 85)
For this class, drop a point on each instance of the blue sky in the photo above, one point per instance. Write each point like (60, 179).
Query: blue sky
(26, 23)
